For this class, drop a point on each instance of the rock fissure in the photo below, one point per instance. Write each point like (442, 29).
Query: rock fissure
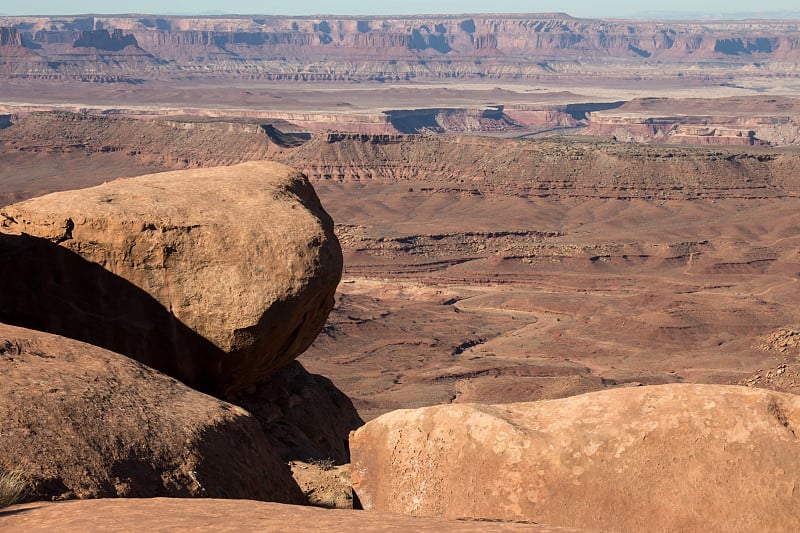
(775, 410)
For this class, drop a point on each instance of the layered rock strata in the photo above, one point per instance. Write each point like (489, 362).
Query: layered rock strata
(304, 416)
(129, 48)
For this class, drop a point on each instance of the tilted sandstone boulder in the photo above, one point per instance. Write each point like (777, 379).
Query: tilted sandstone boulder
(243, 260)
(661, 458)
(82, 422)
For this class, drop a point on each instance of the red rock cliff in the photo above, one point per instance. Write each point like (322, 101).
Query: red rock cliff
(431, 46)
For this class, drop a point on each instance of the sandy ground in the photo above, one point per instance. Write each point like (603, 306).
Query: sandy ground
(363, 97)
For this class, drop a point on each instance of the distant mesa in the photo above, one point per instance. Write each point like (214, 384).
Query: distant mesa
(491, 46)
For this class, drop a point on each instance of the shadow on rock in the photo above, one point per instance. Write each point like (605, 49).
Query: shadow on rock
(46, 287)
(82, 422)
(304, 415)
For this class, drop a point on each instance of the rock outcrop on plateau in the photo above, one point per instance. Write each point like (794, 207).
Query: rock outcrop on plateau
(14, 54)
(661, 458)
(9, 37)
(565, 168)
(735, 121)
(394, 48)
(217, 277)
(82, 422)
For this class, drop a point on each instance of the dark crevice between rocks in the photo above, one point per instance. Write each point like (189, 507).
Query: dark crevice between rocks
(303, 415)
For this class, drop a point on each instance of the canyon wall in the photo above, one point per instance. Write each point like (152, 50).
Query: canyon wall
(740, 121)
(390, 48)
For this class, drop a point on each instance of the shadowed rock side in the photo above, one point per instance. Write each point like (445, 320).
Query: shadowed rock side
(82, 422)
(662, 458)
(226, 516)
(303, 415)
(242, 259)
(47, 287)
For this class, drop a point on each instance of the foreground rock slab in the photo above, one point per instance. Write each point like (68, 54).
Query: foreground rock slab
(221, 516)
(82, 422)
(242, 259)
(661, 458)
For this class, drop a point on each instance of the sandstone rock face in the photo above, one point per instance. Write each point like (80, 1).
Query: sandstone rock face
(82, 422)
(225, 516)
(9, 37)
(662, 458)
(241, 261)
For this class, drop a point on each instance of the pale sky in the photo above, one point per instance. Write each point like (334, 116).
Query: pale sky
(578, 8)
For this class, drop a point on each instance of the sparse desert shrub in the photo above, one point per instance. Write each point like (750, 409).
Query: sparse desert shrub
(12, 488)
(323, 464)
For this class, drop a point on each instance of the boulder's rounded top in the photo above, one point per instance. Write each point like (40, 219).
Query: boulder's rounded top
(244, 255)
(203, 195)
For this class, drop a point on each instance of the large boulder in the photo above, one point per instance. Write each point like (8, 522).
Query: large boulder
(82, 422)
(661, 458)
(241, 262)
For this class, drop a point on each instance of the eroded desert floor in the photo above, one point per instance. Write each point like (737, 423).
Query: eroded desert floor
(502, 270)
(512, 290)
